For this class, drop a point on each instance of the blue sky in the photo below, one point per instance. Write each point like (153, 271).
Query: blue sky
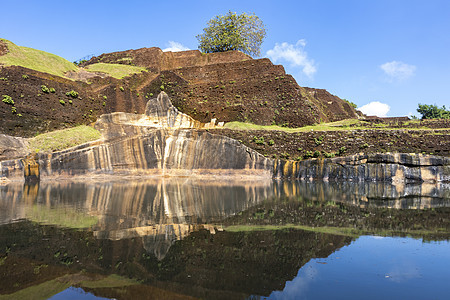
(393, 54)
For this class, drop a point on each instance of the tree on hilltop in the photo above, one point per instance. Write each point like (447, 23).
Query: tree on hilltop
(433, 112)
(233, 32)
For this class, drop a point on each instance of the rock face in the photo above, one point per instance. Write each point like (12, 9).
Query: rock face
(165, 142)
(12, 147)
(390, 167)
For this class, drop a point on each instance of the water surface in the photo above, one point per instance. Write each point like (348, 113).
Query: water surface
(181, 238)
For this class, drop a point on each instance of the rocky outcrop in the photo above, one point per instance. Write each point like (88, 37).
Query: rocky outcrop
(12, 147)
(165, 142)
(391, 167)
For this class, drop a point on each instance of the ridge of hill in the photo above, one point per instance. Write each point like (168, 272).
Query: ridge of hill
(13, 55)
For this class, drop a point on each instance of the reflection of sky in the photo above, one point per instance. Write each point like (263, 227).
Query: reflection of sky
(375, 268)
(73, 293)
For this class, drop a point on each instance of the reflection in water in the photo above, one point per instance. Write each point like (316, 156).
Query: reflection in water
(152, 231)
(172, 208)
(374, 275)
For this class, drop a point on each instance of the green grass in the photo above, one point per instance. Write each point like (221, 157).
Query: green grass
(63, 139)
(115, 70)
(343, 125)
(36, 60)
(335, 126)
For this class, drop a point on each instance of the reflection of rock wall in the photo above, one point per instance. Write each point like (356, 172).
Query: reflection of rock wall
(163, 210)
(378, 194)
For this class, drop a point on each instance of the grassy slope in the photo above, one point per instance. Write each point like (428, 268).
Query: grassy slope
(36, 60)
(349, 124)
(62, 139)
(115, 70)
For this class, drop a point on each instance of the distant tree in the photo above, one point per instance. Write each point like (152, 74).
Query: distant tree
(233, 32)
(433, 112)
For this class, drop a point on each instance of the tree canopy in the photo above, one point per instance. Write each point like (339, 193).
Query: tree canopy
(241, 32)
(433, 112)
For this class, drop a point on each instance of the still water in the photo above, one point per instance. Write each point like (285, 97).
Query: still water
(187, 239)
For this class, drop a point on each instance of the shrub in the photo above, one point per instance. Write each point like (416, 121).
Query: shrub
(45, 89)
(329, 155)
(8, 100)
(316, 153)
(364, 146)
(13, 110)
(62, 102)
(24, 76)
(121, 88)
(342, 150)
(52, 90)
(104, 97)
(259, 141)
(162, 87)
(72, 94)
(308, 154)
(285, 155)
(271, 142)
(319, 140)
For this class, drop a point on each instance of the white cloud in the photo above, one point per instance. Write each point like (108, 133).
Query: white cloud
(398, 70)
(375, 108)
(295, 55)
(175, 47)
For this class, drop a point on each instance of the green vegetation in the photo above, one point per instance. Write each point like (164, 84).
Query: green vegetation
(335, 126)
(64, 217)
(233, 32)
(115, 70)
(351, 103)
(62, 139)
(36, 60)
(344, 125)
(353, 232)
(72, 94)
(433, 112)
(8, 100)
(45, 89)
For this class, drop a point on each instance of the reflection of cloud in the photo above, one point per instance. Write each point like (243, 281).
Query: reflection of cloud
(403, 271)
(296, 288)
(293, 54)
(375, 108)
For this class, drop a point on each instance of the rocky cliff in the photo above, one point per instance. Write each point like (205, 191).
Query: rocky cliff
(165, 142)
(391, 167)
